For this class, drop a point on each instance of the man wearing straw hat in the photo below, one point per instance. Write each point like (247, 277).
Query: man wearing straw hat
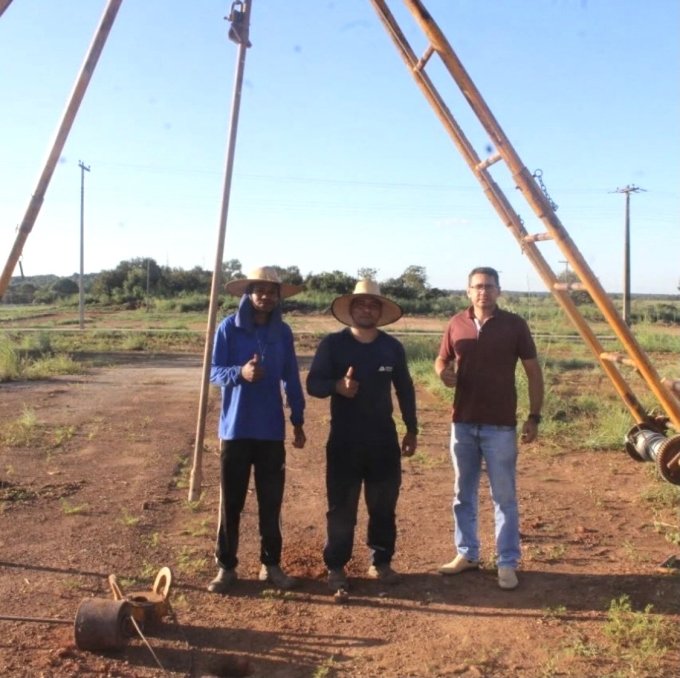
(357, 367)
(253, 357)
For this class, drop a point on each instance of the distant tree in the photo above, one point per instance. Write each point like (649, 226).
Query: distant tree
(290, 275)
(411, 284)
(22, 293)
(415, 278)
(65, 287)
(176, 281)
(336, 282)
(367, 273)
(579, 297)
(231, 270)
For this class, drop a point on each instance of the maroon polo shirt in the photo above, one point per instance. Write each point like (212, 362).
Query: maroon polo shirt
(485, 364)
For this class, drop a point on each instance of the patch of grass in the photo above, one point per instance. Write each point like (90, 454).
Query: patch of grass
(195, 506)
(276, 593)
(128, 520)
(640, 637)
(554, 612)
(324, 669)
(662, 495)
(69, 509)
(63, 434)
(134, 342)
(580, 646)
(10, 366)
(189, 562)
(50, 366)
(201, 529)
(153, 540)
(182, 473)
(670, 532)
(148, 572)
(23, 431)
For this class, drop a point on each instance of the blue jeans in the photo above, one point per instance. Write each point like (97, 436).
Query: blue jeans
(497, 446)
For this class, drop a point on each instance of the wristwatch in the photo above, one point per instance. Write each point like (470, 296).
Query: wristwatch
(536, 418)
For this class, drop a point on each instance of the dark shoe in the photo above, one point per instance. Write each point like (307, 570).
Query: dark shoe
(275, 575)
(223, 581)
(337, 579)
(384, 573)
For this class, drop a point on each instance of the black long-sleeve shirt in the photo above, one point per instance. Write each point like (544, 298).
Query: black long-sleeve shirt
(366, 418)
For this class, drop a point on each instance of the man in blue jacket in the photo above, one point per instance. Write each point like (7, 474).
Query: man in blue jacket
(357, 368)
(253, 357)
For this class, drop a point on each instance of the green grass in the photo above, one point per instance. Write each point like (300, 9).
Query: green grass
(22, 431)
(641, 637)
(69, 509)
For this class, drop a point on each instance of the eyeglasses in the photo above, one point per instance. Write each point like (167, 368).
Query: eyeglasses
(484, 288)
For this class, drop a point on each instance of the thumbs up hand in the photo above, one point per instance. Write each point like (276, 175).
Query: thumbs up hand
(347, 386)
(253, 370)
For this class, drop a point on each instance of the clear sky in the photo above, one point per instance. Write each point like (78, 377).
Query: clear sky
(340, 162)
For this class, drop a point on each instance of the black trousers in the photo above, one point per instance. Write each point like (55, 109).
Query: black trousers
(378, 468)
(268, 459)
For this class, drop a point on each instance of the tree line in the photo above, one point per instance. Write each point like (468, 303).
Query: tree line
(135, 281)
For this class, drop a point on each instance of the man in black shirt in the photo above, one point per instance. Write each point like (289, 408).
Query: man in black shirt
(357, 367)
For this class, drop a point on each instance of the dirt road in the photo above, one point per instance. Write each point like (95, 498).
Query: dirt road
(99, 486)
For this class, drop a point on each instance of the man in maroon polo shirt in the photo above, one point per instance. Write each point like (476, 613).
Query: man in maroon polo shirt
(478, 354)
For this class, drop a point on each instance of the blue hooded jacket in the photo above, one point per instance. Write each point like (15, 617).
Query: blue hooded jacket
(255, 410)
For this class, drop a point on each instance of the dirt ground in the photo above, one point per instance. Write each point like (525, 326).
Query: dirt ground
(102, 488)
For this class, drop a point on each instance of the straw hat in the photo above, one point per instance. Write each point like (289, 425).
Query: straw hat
(262, 274)
(391, 312)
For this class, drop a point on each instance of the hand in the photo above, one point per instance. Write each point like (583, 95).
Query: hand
(409, 444)
(347, 386)
(299, 437)
(529, 431)
(448, 375)
(252, 370)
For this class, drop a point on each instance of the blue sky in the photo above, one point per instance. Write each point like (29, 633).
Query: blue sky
(340, 162)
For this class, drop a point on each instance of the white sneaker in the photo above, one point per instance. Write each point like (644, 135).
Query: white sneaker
(459, 564)
(507, 579)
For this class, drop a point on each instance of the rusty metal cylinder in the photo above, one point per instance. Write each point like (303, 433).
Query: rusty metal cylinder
(102, 624)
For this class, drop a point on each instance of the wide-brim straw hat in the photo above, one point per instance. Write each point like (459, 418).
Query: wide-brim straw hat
(262, 274)
(391, 312)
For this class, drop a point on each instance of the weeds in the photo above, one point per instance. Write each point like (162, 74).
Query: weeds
(555, 612)
(641, 637)
(63, 434)
(9, 360)
(23, 431)
(190, 563)
(153, 540)
(276, 594)
(128, 520)
(200, 529)
(69, 509)
(324, 669)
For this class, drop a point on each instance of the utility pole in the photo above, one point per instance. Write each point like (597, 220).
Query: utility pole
(81, 287)
(566, 269)
(626, 251)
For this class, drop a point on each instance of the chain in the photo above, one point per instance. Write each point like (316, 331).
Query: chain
(538, 175)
